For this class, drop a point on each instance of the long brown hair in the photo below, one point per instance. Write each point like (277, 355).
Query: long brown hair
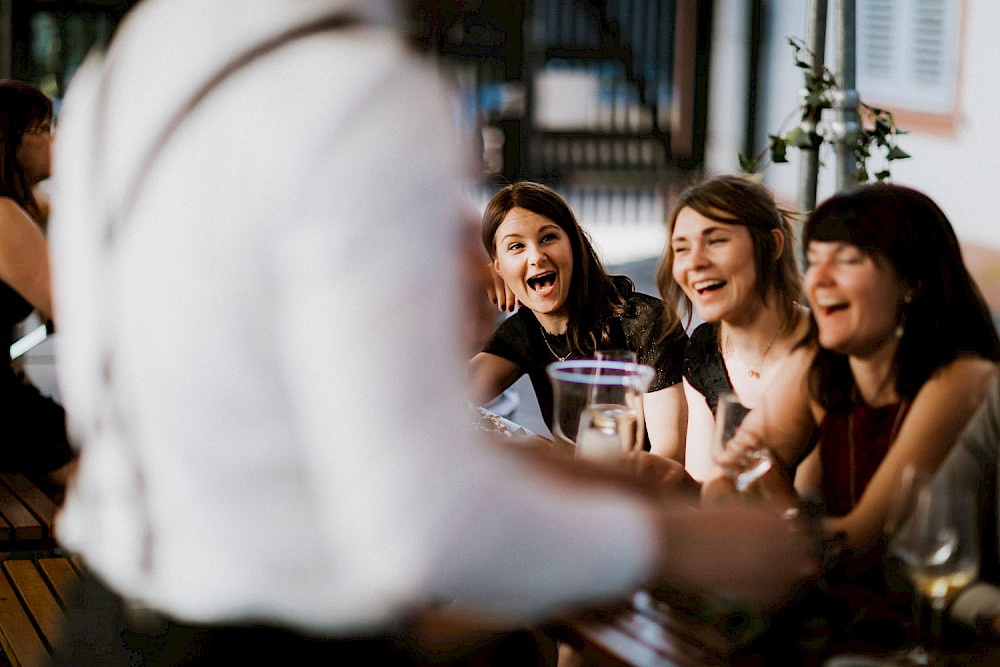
(595, 297)
(946, 315)
(22, 107)
(735, 200)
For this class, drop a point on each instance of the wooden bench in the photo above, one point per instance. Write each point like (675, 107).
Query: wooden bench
(26, 514)
(33, 593)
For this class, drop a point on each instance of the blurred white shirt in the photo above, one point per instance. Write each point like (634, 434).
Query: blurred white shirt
(283, 437)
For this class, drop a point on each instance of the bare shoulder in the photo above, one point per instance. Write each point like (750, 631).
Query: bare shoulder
(968, 377)
(13, 213)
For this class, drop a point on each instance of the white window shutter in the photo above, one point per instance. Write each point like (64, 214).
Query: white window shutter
(908, 53)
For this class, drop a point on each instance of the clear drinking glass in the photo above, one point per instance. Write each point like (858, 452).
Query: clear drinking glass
(597, 404)
(742, 467)
(938, 546)
(627, 356)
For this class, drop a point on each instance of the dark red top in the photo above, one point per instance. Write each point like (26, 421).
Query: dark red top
(873, 432)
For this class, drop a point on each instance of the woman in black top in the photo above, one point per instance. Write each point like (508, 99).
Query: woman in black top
(32, 427)
(730, 256)
(570, 308)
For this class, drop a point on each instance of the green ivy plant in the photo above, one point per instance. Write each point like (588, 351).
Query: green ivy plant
(876, 135)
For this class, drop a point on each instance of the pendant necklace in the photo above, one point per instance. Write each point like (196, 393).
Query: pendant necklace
(753, 373)
(545, 339)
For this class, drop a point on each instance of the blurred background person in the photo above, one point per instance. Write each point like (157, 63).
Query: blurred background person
(730, 257)
(569, 308)
(252, 484)
(34, 426)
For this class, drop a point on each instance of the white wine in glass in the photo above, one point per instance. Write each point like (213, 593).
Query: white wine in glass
(938, 546)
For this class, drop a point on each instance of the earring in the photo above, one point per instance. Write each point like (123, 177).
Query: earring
(901, 326)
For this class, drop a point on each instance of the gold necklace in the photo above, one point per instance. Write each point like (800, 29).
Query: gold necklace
(545, 339)
(853, 483)
(751, 372)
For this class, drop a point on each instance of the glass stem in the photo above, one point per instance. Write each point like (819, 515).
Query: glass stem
(937, 618)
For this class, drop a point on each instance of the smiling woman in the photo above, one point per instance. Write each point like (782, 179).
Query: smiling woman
(901, 352)
(730, 258)
(570, 308)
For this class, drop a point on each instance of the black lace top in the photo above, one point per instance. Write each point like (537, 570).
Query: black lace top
(519, 339)
(704, 368)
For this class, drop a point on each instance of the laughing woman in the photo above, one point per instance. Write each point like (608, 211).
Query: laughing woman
(903, 350)
(730, 257)
(571, 307)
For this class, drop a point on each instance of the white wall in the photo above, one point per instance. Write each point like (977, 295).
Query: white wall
(961, 171)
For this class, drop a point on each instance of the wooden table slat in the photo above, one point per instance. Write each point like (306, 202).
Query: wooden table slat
(37, 597)
(18, 637)
(61, 576)
(34, 498)
(26, 525)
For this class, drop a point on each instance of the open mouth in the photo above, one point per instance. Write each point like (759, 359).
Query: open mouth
(542, 281)
(705, 286)
(829, 305)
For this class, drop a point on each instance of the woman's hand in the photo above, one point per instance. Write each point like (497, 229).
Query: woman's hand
(499, 294)
(774, 485)
(663, 475)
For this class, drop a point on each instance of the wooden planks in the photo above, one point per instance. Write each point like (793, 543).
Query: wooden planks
(26, 513)
(32, 595)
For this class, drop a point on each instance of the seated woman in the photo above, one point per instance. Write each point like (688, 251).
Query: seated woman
(901, 353)
(570, 308)
(34, 431)
(730, 256)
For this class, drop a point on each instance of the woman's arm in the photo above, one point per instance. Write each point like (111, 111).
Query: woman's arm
(490, 375)
(700, 424)
(940, 411)
(785, 422)
(24, 257)
(665, 412)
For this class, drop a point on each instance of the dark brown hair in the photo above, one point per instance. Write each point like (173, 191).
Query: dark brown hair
(22, 107)
(595, 298)
(946, 315)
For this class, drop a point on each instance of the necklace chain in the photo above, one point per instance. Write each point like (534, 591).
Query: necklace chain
(753, 373)
(545, 339)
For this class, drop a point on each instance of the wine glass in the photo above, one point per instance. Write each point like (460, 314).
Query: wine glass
(627, 356)
(742, 467)
(938, 546)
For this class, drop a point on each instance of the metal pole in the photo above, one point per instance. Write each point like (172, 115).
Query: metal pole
(845, 102)
(809, 165)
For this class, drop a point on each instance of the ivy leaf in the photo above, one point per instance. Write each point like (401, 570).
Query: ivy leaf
(778, 149)
(883, 175)
(796, 137)
(861, 175)
(896, 153)
(747, 165)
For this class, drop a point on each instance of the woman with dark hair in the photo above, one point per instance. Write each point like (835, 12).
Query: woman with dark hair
(729, 257)
(901, 352)
(33, 425)
(570, 308)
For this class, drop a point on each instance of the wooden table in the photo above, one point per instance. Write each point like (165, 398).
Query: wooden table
(641, 635)
(26, 514)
